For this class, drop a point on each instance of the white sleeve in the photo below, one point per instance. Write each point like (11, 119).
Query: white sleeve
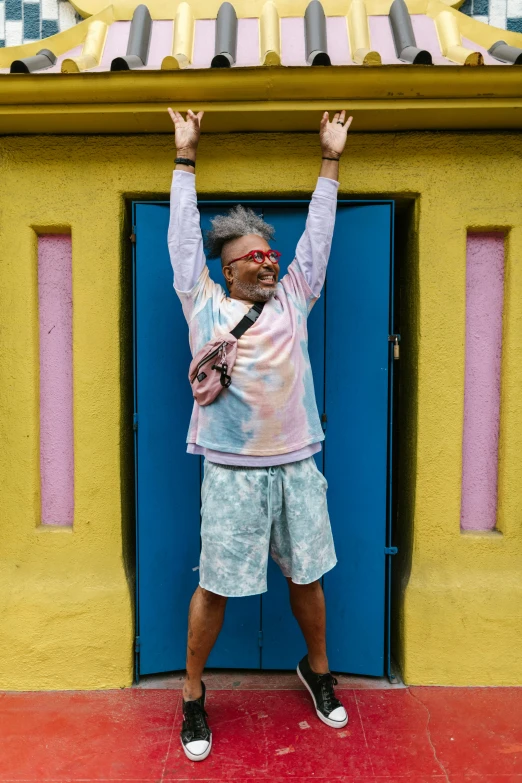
(313, 249)
(184, 238)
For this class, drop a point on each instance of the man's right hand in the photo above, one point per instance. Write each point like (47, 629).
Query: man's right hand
(187, 133)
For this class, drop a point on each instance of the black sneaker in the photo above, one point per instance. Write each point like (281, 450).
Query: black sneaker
(329, 709)
(196, 736)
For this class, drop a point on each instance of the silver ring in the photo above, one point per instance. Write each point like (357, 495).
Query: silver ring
(339, 122)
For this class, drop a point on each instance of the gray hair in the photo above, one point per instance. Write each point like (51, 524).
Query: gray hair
(238, 222)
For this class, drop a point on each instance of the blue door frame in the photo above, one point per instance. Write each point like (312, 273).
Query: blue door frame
(262, 648)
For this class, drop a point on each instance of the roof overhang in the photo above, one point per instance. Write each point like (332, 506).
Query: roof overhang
(388, 98)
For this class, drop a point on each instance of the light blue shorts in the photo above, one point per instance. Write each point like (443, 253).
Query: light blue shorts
(247, 512)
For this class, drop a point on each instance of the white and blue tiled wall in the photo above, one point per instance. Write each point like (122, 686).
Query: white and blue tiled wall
(506, 14)
(22, 21)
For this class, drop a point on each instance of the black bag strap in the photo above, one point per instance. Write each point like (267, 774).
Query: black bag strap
(247, 320)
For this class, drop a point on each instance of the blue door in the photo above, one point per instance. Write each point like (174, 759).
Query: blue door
(350, 354)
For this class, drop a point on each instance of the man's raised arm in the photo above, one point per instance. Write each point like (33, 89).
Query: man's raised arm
(313, 249)
(184, 236)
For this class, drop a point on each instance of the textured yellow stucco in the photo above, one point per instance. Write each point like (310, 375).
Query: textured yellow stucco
(66, 614)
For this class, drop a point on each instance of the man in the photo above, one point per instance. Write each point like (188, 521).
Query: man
(261, 490)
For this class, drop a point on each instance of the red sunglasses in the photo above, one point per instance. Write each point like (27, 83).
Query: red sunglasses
(258, 256)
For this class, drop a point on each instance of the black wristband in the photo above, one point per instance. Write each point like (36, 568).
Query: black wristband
(337, 159)
(186, 162)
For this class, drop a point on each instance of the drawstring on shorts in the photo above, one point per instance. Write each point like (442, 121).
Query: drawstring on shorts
(271, 474)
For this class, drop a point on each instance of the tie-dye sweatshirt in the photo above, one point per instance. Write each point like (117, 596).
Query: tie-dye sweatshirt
(269, 413)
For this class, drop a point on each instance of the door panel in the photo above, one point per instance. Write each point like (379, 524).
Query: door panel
(357, 356)
(168, 478)
(278, 621)
(237, 645)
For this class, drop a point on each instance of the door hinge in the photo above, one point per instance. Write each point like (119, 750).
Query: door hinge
(133, 235)
(260, 638)
(134, 421)
(390, 550)
(137, 644)
(395, 339)
(324, 421)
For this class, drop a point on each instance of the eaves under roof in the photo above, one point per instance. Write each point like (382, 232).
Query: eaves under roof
(264, 65)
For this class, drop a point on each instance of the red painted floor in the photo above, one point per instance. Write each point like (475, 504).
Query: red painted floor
(420, 734)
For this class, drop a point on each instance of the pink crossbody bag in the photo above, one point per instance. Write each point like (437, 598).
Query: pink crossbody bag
(210, 370)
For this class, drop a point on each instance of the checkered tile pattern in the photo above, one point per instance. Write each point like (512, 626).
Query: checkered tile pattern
(23, 21)
(506, 14)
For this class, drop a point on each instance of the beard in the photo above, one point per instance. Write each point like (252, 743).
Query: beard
(254, 292)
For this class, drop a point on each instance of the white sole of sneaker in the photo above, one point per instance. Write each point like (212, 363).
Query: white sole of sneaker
(201, 756)
(336, 724)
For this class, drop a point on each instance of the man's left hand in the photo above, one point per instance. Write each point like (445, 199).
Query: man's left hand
(333, 134)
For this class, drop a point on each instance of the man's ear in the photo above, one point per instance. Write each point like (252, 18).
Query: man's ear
(227, 274)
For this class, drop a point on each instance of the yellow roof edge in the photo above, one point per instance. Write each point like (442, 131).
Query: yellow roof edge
(379, 115)
(255, 87)
(59, 43)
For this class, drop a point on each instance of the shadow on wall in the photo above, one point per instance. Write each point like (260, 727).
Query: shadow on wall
(405, 410)
(127, 482)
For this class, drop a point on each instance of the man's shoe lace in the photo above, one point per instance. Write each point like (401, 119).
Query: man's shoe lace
(195, 726)
(326, 684)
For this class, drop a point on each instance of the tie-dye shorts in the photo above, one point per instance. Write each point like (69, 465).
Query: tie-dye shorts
(247, 512)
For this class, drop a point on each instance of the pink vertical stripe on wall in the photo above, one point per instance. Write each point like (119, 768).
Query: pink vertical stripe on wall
(56, 381)
(484, 305)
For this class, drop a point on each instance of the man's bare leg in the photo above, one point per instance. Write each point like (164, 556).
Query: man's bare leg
(308, 607)
(205, 619)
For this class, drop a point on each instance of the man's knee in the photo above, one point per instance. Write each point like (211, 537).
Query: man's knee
(210, 598)
(309, 586)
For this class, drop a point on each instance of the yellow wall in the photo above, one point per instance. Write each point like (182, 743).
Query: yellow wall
(67, 611)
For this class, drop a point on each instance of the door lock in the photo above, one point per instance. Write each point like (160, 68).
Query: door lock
(395, 339)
